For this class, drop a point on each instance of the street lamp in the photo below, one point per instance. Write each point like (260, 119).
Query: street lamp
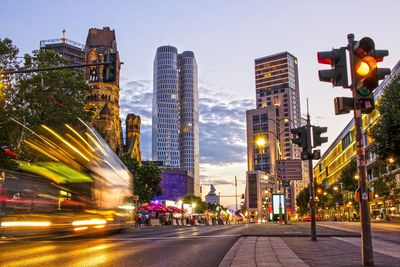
(261, 142)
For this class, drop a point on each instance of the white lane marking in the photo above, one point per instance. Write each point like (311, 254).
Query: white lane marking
(383, 247)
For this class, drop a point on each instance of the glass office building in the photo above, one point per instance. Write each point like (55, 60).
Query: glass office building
(175, 125)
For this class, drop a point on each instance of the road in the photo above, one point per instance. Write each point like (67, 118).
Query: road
(164, 246)
(201, 246)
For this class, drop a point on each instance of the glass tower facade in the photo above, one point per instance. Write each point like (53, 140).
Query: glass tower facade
(175, 125)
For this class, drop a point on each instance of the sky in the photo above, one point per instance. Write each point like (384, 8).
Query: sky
(226, 36)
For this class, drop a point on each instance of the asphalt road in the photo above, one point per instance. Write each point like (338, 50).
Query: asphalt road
(164, 246)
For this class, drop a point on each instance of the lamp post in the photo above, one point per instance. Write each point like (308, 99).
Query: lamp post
(278, 134)
(261, 142)
(3, 191)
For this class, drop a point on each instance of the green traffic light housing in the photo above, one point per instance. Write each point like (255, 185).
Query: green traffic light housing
(301, 134)
(317, 139)
(337, 59)
(366, 72)
(110, 70)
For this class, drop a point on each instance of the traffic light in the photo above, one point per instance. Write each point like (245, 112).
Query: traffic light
(317, 139)
(343, 105)
(366, 72)
(301, 139)
(337, 59)
(110, 69)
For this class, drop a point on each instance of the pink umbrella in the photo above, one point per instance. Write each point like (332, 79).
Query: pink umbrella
(153, 207)
(175, 209)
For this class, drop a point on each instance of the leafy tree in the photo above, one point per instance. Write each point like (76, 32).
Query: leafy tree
(201, 206)
(302, 201)
(146, 178)
(386, 185)
(386, 131)
(347, 177)
(52, 97)
(8, 60)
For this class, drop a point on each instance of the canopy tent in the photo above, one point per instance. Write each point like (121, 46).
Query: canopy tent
(175, 209)
(154, 207)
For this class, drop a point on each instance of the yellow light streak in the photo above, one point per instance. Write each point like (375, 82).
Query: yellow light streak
(76, 142)
(65, 142)
(81, 228)
(89, 222)
(40, 150)
(80, 137)
(99, 226)
(25, 224)
(97, 144)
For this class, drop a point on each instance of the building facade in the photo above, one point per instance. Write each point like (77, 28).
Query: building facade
(175, 184)
(277, 112)
(73, 52)
(132, 136)
(212, 197)
(175, 118)
(104, 98)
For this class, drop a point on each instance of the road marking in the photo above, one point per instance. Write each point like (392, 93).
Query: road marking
(383, 247)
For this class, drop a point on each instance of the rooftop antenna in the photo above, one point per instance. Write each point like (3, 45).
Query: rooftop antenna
(63, 35)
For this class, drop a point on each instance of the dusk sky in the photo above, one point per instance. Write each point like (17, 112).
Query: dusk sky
(226, 37)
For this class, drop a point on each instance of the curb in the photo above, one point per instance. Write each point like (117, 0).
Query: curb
(227, 260)
(303, 235)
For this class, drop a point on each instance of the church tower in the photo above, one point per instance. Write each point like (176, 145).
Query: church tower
(133, 136)
(104, 98)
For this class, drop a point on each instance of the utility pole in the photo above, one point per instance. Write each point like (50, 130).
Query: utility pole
(236, 200)
(366, 237)
(365, 76)
(308, 137)
(312, 183)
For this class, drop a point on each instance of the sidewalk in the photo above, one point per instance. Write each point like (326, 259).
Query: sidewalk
(261, 251)
(289, 245)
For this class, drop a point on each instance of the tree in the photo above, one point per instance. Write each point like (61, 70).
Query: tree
(52, 98)
(386, 131)
(200, 206)
(347, 177)
(8, 60)
(302, 201)
(146, 178)
(385, 185)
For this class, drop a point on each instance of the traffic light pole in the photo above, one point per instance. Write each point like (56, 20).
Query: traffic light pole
(312, 183)
(366, 238)
(71, 66)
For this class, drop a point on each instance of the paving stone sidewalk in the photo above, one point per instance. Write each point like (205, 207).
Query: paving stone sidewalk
(261, 245)
(261, 251)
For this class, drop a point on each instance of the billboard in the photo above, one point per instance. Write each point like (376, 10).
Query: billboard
(278, 202)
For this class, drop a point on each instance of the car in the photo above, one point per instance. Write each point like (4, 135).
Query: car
(307, 218)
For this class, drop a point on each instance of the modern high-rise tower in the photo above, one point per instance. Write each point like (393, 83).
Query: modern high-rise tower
(277, 112)
(175, 125)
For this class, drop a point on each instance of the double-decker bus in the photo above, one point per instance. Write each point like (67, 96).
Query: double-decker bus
(73, 183)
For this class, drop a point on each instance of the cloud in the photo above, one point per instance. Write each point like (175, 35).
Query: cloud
(222, 121)
(136, 97)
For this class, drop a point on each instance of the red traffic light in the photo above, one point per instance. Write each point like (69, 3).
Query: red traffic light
(325, 57)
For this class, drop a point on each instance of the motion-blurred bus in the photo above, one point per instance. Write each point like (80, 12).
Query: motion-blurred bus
(74, 184)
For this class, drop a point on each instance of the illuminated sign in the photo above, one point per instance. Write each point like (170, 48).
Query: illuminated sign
(278, 203)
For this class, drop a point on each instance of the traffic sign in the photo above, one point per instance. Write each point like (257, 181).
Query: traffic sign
(289, 169)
